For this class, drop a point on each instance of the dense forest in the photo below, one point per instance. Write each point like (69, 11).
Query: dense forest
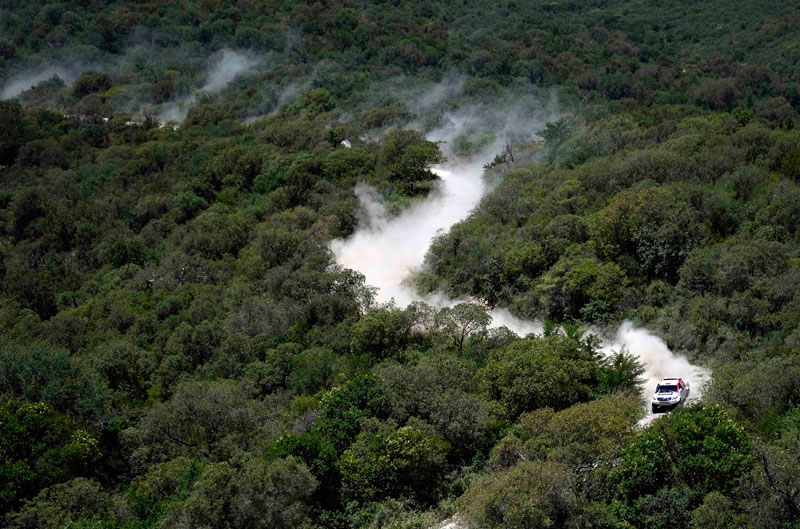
(180, 349)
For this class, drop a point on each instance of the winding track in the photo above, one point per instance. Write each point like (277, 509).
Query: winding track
(388, 249)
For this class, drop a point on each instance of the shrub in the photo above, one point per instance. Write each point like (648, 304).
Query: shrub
(90, 82)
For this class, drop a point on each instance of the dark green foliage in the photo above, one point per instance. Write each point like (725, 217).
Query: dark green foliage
(683, 457)
(187, 205)
(620, 372)
(254, 494)
(776, 380)
(201, 419)
(343, 409)
(554, 135)
(442, 392)
(383, 331)
(40, 447)
(41, 373)
(14, 132)
(530, 495)
(406, 158)
(180, 350)
(581, 289)
(403, 462)
(584, 434)
(556, 372)
(76, 500)
(462, 321)
(43, 153)
(90, 82)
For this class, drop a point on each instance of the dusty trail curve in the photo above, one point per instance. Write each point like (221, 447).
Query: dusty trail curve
(388, 249)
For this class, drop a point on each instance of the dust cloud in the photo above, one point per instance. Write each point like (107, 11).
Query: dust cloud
(229, 65)
(224, 68)
(388, 250)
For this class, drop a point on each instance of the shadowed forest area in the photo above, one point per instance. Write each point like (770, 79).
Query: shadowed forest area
(180, 349)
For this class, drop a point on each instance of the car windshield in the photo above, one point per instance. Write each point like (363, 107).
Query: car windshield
(666, 389)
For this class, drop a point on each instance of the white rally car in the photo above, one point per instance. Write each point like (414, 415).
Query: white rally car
(670, 392)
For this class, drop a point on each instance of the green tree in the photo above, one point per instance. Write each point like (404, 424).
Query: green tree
(529, 495)
(462, 321)
(90, 82)
(14, 133)
(393, 463)
(40, 447)
(621, 372)
(440, 390)
(257, 494)
(202, 419)
(61, 505)
(344, 408)
(554, 135)
(777, 463)
(407, 157)
(382, 332)
(581, 288)
(585, 434)
(532, 373)
(699, 448)
(42, 373)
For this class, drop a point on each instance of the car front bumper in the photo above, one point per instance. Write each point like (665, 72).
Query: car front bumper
(665, 403)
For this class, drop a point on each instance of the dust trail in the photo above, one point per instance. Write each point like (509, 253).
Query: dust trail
(387, 250)
(659, 362)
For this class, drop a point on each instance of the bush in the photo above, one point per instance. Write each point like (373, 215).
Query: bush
(43, 153)
(583, 288)
(259, 494)
(531, 495)
(406, 462)
(41, 373)
(61, 505)
(90, 82)
(719, 94)
(699, 447)
(382, 332)
(533, 373)
(40, 447)
(583, 434)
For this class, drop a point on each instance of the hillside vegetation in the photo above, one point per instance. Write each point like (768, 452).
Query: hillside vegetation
(179, 348)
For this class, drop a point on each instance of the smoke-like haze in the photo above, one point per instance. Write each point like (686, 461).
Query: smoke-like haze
(29, 79)
(387, 250)
(223, 69)
(658, 360)
(226, 68)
